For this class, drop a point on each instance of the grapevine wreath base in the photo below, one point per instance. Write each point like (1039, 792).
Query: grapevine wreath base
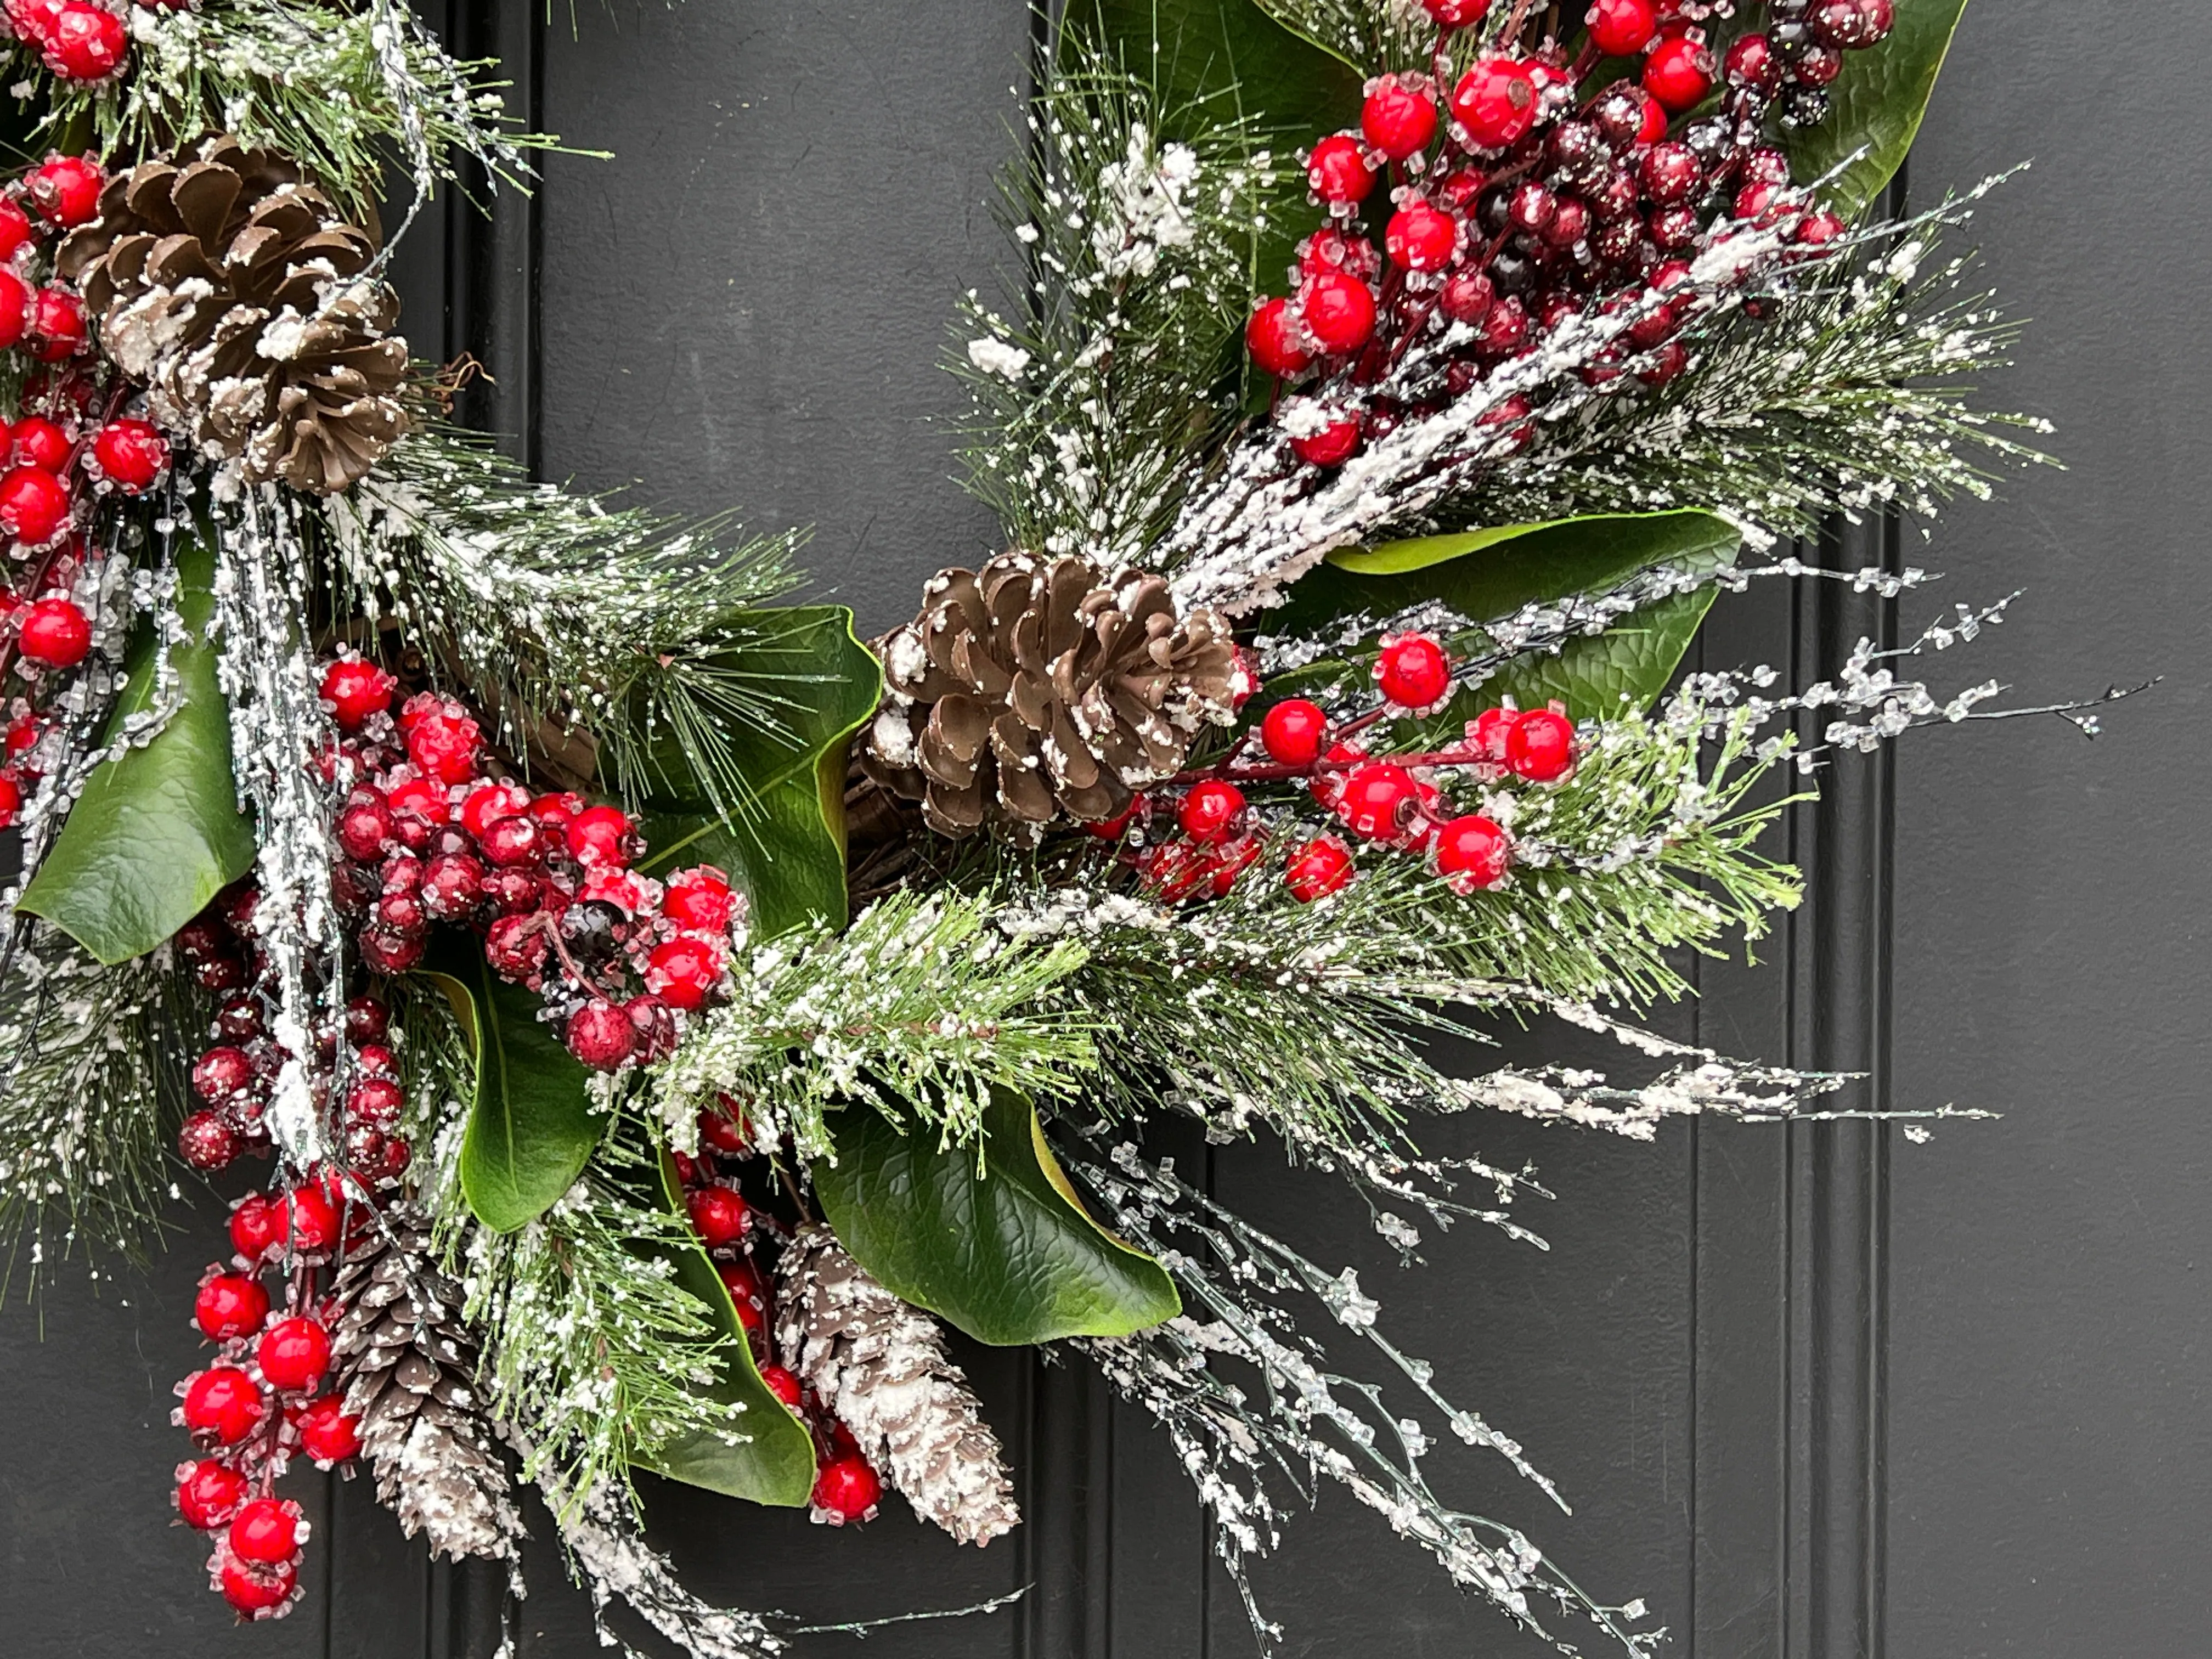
(650, 1018)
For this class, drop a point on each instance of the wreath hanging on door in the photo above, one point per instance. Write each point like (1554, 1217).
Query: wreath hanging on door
(659, 1015)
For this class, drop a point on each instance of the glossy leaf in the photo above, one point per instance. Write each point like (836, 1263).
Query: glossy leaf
(774, 1464)
(1005, 1251)
(786, 846)
(1879, 100)
(532, 1126)
(157, 832)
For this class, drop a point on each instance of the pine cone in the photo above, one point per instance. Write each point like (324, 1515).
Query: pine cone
(1029, 692)
(407, 1366)
(233, 288)
(880, 1365)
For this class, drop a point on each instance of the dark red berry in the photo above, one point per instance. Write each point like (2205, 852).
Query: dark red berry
(402, 914)
(452, 886)
(1670, 172)
(516, 946)
(514, 843)
(1468, 297)
(365, 830)
(1820, 229)
(209, 1493)
(367, 1020)
(601, 1036)
(222, 1405)
(377, 1101)
(389, 953)
(655, 1022)
(726, 1131)
(206, 1142)
(1666, 364)
(1473, 853)
(1750, 63)
(719, 1215)
(221, 1075)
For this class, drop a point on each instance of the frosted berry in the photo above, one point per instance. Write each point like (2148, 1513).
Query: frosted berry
(1377, 800)
(445, 745)
(1679, 75)
(1339, 312)
(719, 1215)
(700, 898)
(513, 843)
(222, 1405)
(1338, 171)
(365, 830)
(1853, 25)
(258, 1592)
(1665, 365)
(356, 689)
(683, 972)
(132, 455)
(1621, 28)
(378, 1101)
(85, 43)
(452, 886)
(1541, 745)
(1210, 810)
(56, 327)
(34, 504)
(1272, 337)
(601, 1036)
(1332, 445)
(230, 1305)
(1397, 118)
(391, 953)
(267, 1531)
(1473, 853)
(1750, 63)
(1322, 866)
(294, 1354)
(209, 1493)
(221, 1075)
(599, 835)
(847, 1490)
(311, 1220)
(782, 1384)
(206, 1142)
(403, 915)
(1497, 102)
(1293, 730)
(1669, 174)
(516, 946)
(1420, 237)
(367, 1020)
(327, 1433)
(1413, 671)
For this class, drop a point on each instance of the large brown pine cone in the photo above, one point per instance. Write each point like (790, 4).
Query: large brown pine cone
(1034, 691)
(234, 290)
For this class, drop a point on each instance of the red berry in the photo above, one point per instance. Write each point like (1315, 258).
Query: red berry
(1377, 800)
(452, 886)
(847, 1490)
(488, 803)
(444, 745)
(132, 455)
(56, 324)
(1230, 860)
(1670, 172)
(514, 843)
(1750, 63)
(683, 972)
(1338, 171)
(365, 830)
(719, 1215)
(209, 1493)
(601, 1036)
(377, 1101)
(1420, 237)
(1820, 229)
(55, 634)
(1496, 102)
(782, 1384)
(1455, 14)
(1678, 74)
(1398, 119)
(267, 1531)
(1413, 671)
(221, 1075)
(206, 1142)
(1273, 339)
(41, 443)
(367, 1020)
(1540, 747)
(1322, 866)
(1293, 730)
(356, 689)
(34, 504)
(556, 810)
(16, 232)
(1332, 445)
(743, 1281)
(327, 1434)
(1339, 312)
(1210, 810)
(222, 1405)
(726, 1131)
(390, 953)
(65, 190)
(257, 1592)
(422, 798)
(14, 308)
(257, 1226)
(516, 946)
(1174, 870)
(1621, 28)
(294, 1354)
(599, 835)
(1473, 853)
(402, 916)
(311, 1221)
(230, 1305)
(87, 43)
(700, 898)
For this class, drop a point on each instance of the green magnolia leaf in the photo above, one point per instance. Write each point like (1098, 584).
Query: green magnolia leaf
(531, 1127)
(157, 832)
(774, 1464)
(786, 846)
(1493, 573)
(1880, 99)
(1005, 1250)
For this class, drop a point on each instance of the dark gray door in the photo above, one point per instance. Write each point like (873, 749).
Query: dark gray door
(1815, 1393)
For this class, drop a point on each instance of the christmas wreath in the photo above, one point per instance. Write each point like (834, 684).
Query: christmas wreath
(654, 1016)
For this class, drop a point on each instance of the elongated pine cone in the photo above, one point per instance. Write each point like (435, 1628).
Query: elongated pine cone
(880, 1365)
(407, 1366)
(1036, 692)
(234, 290)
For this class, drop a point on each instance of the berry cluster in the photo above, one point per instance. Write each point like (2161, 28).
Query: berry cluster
(735, 1231)
(78, 40)
(261, 1402)
(1393, 802)
(432, 835)
(1526, 187)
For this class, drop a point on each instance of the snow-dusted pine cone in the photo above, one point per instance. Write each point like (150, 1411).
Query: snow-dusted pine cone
(880, 1365)
(407, 1366)
(234, 289)
(1036, 692)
